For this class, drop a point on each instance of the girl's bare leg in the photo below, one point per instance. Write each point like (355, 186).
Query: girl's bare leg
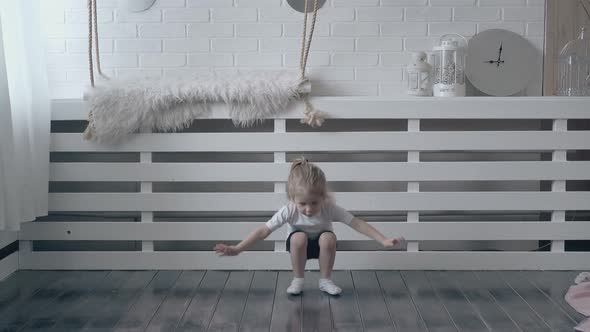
(327, 254)
(298, 248)
(327, 257)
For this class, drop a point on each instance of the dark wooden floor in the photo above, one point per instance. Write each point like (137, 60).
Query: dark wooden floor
(256, 301)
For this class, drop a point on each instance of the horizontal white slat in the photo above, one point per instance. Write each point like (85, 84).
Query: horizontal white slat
(354, 171)
(401, 108)
(7, 237)
(185, 231)
(366, 260)
(8, 265)
(353, 201)
(331, 141)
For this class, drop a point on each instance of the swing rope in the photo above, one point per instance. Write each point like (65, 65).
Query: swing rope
(312, 117)
(92, 28)
(306, 43)
(90, 64)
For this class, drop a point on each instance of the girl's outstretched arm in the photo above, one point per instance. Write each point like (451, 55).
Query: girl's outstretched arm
(364, 227)
(258, 234)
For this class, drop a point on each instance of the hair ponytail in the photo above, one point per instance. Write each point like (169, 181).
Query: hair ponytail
(299, 162)
(306, 177)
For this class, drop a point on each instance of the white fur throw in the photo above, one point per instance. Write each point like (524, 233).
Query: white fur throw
(119, 108)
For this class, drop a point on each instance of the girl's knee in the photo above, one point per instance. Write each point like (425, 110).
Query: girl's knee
(298, 240)
(328, 240)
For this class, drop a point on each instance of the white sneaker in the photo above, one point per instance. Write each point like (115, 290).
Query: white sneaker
(296, 286)
(327, 285)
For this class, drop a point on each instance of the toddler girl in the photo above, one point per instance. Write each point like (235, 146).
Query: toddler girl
(309, 216)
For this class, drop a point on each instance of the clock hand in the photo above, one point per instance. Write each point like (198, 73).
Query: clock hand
(499, 56)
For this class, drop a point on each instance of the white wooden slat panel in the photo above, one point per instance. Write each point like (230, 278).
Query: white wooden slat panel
(400, 108)
(200, 231)
(355, 171)
(365, 260)
(413, 187)
(559, 125)
(358, 201)
(331, 141)
(413, 109)
(166, 201)
(280, 185)
(452, 108)
(8, 265)
(145, 158)
(7, 237)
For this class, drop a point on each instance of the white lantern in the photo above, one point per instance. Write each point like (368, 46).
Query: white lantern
(419, 73)
(449, 66)
(573, 71)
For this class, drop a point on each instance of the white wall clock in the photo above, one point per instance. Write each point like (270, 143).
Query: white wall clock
(500, 62)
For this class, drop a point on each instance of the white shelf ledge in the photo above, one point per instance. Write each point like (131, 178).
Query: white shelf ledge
(401, 108)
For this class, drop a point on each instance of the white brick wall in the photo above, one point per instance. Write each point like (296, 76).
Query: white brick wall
(360, 47)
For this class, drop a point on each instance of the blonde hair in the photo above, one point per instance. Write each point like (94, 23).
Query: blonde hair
(306, 177)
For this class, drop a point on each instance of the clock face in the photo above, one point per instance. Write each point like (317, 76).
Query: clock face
(500, 62)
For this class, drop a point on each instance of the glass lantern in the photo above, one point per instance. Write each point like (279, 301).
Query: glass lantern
(419, 74)
(448, 60)
(573, 68)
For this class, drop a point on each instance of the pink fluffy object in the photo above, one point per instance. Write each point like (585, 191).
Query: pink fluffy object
(578, 297)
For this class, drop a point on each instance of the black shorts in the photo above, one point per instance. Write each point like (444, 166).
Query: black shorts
(313, 245)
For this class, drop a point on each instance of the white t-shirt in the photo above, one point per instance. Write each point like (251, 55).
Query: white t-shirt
(313, 225)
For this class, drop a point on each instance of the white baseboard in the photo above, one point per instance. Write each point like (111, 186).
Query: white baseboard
(8, 265)
(7, 237)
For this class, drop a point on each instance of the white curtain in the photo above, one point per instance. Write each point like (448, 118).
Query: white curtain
(24, 115)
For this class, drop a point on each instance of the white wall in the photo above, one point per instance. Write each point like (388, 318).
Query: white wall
(359, 48)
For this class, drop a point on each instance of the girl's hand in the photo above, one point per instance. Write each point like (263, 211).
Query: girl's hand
(390, 243)
(225, 250)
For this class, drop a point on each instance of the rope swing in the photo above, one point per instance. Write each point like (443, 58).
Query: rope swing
(197, 97)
